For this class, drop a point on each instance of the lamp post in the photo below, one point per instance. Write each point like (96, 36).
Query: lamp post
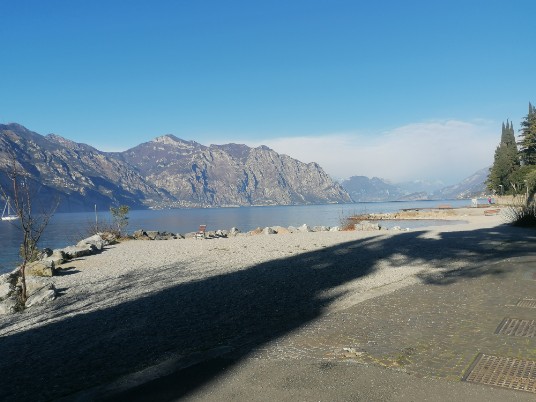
(501, 186)
(527, 188)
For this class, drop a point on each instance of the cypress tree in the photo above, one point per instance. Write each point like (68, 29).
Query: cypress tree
(527, 143)
(506, 161)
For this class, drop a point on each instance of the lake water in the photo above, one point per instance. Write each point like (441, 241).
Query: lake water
(67, 228)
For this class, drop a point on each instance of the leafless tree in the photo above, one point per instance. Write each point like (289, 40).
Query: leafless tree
(20, 190)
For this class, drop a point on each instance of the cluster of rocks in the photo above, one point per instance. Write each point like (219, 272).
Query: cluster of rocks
(155, 235)
(142, 234)
(39, 287)
(368, 226)
(292, 229)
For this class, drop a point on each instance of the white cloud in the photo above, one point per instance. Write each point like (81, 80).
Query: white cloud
(448, 150)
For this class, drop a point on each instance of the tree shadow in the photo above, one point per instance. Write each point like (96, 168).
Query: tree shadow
(239, 311)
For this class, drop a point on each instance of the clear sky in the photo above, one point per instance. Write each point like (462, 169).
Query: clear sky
(396, 89)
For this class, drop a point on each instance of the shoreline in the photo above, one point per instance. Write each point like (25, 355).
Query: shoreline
(184, 296)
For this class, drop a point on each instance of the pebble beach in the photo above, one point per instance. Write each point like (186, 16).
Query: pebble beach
(140, 303)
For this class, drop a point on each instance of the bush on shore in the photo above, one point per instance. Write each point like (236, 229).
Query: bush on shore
(523, 216)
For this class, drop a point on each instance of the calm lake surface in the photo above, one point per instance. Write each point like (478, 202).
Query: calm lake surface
(67, 228)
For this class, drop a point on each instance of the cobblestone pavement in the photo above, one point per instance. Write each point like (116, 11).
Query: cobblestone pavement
(431, 330)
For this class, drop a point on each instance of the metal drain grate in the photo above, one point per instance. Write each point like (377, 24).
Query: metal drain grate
(504, 372)
(531, 303)
(516, 327)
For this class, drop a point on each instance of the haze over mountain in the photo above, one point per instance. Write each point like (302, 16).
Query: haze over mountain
(364, 189)
(166, 172)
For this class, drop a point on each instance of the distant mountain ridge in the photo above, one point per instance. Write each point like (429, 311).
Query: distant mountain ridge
(166, 172)
(364, 189)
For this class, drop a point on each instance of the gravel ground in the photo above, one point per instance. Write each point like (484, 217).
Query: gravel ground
(140, 303)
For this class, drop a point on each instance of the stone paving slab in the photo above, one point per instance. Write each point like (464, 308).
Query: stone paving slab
(431, 330)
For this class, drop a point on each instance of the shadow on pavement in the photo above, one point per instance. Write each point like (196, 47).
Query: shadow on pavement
(240, 310)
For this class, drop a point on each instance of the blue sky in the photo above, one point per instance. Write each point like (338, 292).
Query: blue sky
(402, 89)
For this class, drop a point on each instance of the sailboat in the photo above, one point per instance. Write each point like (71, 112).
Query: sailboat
(10, 216)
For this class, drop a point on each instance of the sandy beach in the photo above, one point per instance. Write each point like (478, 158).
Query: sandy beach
(139, 304)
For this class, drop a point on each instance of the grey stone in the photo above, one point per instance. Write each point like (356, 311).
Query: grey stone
(139, 233)
(40, 268)
(234, 231)
(256, 231)
(366, 226)
(76, 252)
(280, 229)
(320, 229)
(335, 229)
(10, 305)
(6, 289)
(305, 228)
(268, 231)
(151, 234)
(44, 253)
(35, 284)
(57, 257)
(95, 241)
(42, 296)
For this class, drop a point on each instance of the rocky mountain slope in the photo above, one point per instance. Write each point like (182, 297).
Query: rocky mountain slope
(472, 186)
(364, 189)
(165, 172)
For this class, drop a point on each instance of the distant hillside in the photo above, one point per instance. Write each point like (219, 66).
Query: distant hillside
(363, 189)
(166, 172)
(470, 187)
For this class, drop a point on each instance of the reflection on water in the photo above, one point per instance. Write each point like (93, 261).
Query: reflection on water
(67, 228)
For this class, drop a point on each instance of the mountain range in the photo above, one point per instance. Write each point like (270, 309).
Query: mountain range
(364, 189)
(166, 172)
(169, 172)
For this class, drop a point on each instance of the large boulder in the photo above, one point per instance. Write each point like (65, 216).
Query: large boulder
(367, 225)
(151, 234)
(9, 293)
(44, 253)
(164, 236)
(280, 230)
(7, 284)
(321, 229)
(96, 241)
(6, 289)
(256, 231)
(71, 252)
(41, 295)
(140, 235)
(57, 257)
(268, 231)
(234, 232)
(221, 233)
(38, 291)
(40, 268)
(304, 228)
(10, 305)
